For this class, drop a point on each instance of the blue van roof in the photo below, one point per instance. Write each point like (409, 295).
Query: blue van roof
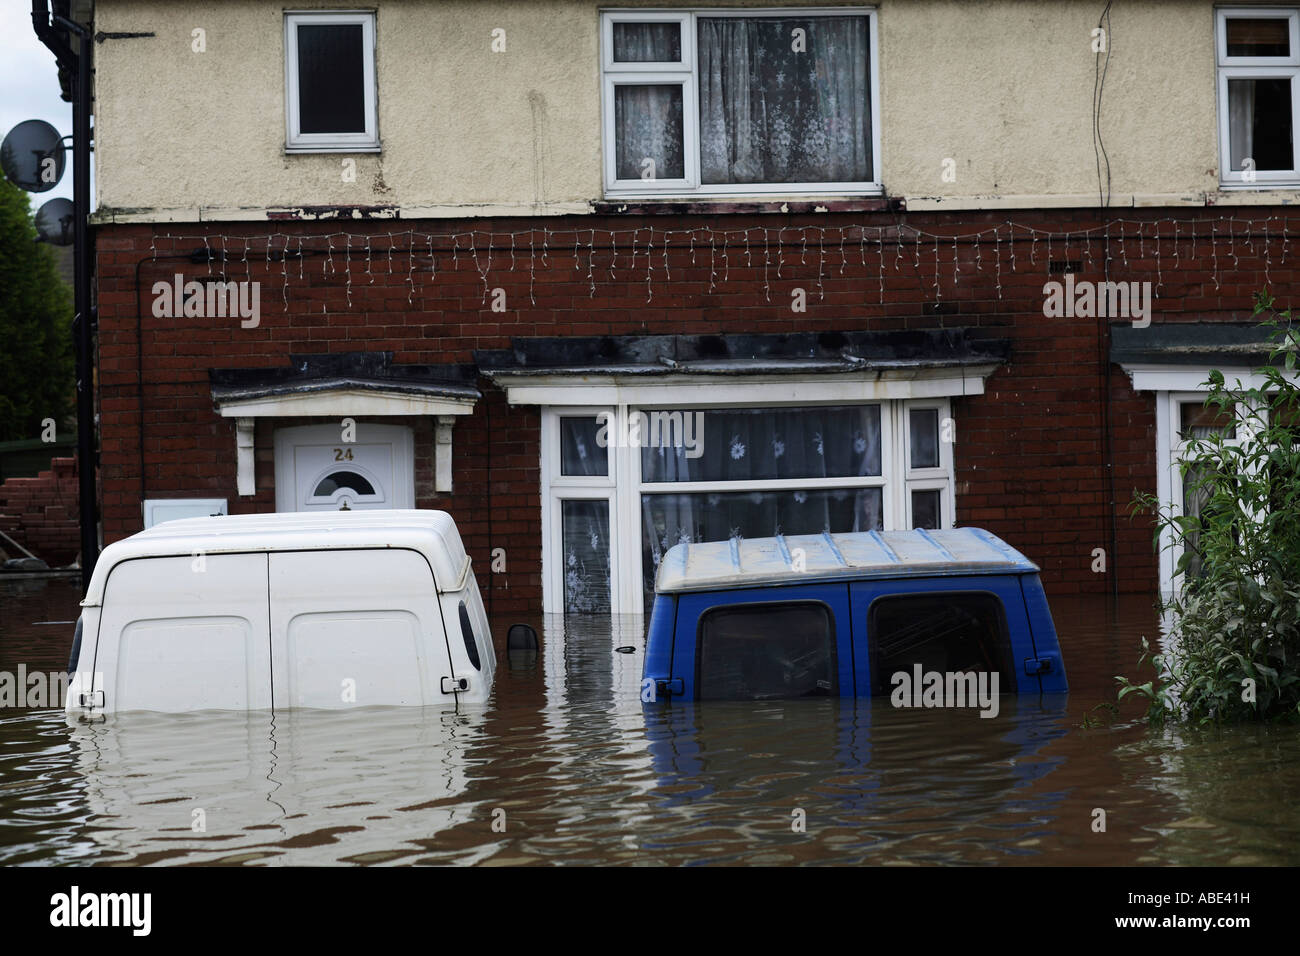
(740, 563)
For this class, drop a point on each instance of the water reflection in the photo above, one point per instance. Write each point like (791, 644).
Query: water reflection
(306, 787)
(565, 765)
(894, 775)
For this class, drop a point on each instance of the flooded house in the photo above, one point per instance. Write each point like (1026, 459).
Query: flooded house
(598, 278)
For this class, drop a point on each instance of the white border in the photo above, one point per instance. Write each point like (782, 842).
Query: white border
(299, 142)
(700, 390)
(1173, 385)
(691, 187)
(1256, 67)
(623, 487)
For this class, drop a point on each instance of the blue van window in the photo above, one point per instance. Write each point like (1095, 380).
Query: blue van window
(942, 631)
(767, 651)
(467, 632)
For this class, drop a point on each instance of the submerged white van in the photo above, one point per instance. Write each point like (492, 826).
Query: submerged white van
(275, 611)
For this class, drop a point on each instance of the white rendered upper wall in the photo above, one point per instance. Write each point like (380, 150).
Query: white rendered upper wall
(1002, 88)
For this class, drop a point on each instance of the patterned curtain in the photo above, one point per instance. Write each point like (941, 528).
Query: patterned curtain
(752, 444)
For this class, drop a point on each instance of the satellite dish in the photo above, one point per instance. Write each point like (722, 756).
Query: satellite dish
(32, 156)
(54, 221)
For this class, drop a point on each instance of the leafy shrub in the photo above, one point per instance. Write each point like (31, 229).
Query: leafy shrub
(1232, 651)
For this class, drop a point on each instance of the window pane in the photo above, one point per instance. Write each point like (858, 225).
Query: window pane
(784, 100)
(1255, 36)
(585, 533)
(580, 453)
(925, 509)
(1286, 416)
(1259, 123)
(945, 632)
(344, 479)
(767, 651)
(331, 78)
(1199, 420)
(1283, 479)
(751, 444)
(648, 131)
(708, 516)
(924, 423)
(467, 635)
(1196, 495)
(647, 42)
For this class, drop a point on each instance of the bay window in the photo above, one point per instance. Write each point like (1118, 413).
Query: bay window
(617, 495)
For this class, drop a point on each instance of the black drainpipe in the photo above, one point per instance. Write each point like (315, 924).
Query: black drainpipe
(78, 64)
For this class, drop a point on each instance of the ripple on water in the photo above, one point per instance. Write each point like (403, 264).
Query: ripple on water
(564, 765)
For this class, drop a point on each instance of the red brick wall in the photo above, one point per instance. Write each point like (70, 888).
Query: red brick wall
(1030, 454)
(41, 513)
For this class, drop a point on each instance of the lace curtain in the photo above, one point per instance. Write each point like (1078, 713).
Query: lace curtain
(781, 100)
(1241, 121)
(585, 531)
(779, 106)
(648, 127)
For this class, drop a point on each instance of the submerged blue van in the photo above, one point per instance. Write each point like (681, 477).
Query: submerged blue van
(858, 614)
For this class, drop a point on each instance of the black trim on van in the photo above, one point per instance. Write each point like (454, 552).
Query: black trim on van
(467, 632)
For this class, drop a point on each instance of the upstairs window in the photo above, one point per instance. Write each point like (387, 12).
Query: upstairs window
(330, 82)
(724, 103)
(1259, 62)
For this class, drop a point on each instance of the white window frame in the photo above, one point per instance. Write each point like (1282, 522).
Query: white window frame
(1178, 447)
(558, 488)
(939, 478)
(624, 486)
(299, 142)
(1174, 385)
(1257, 67)
(686, 72)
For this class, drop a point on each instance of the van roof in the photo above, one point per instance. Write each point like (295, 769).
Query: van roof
(432, 533)
(740, 563)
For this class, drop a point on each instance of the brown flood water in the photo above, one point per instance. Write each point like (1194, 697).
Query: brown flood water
(566, 766)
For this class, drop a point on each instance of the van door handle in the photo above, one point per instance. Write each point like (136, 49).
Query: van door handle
(455, 685)
(670, 687)
(1037, 665)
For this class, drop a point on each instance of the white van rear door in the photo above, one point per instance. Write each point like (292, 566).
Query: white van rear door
(355, 628)
(185, 633)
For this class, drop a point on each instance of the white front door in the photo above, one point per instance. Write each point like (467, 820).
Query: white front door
(316, 470)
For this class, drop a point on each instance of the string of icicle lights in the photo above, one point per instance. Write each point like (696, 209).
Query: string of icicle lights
(642, 253)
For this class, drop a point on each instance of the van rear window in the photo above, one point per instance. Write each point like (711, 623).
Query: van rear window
(944, 632)
(766, 651)
(467, 634)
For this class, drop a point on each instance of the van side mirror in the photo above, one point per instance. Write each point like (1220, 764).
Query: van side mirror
(521, 637)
